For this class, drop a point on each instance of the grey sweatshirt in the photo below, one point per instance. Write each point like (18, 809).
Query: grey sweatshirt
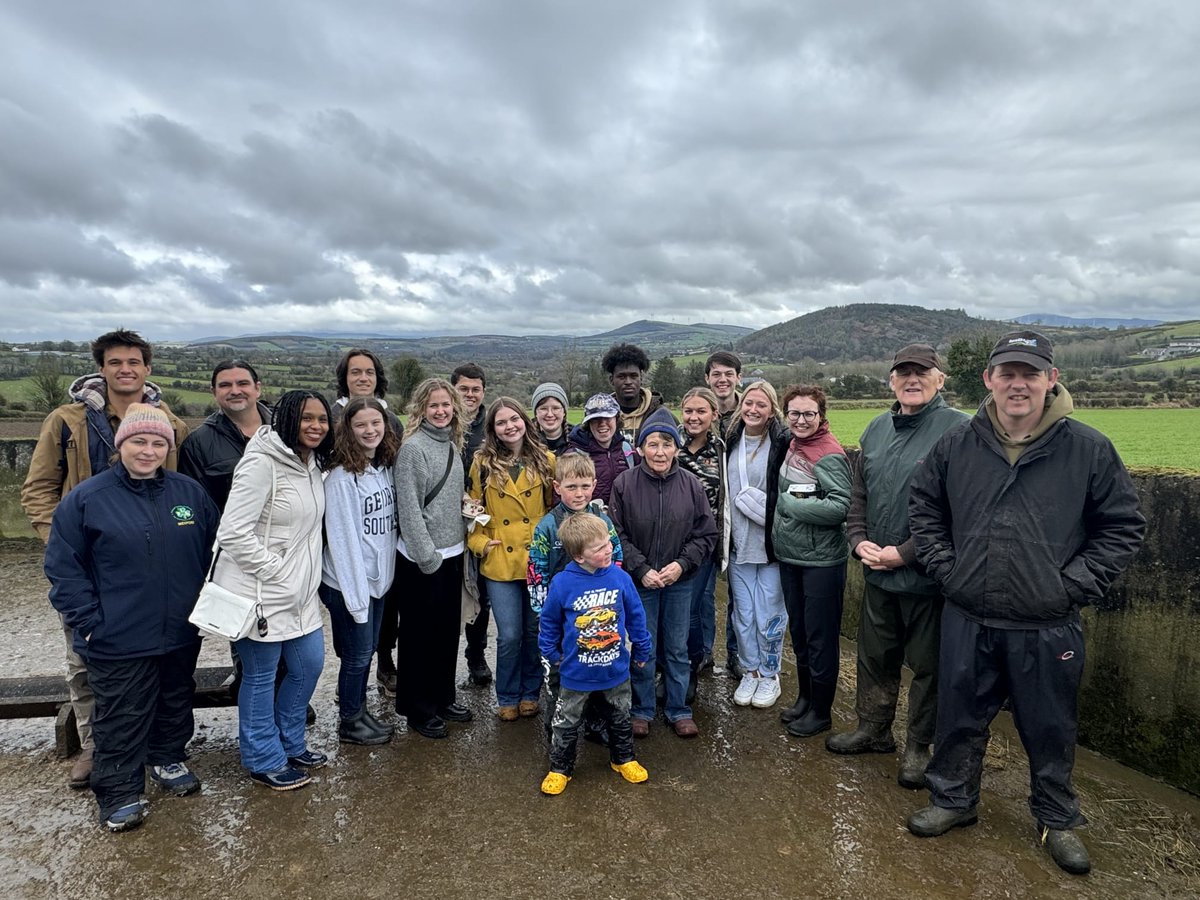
(360, 530)
(429, 532)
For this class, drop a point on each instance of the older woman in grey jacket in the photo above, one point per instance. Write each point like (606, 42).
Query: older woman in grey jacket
(429, 498)
(270, 548)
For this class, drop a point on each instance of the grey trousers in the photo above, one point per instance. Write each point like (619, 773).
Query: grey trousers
(82, 700)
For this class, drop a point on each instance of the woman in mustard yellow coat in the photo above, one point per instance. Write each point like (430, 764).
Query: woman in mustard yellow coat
(512, 475)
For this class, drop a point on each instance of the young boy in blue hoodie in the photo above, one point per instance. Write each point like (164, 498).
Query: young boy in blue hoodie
(591, 609)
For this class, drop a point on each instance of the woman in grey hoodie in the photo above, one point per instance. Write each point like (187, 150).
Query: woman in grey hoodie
(429, 497)
(360, 556)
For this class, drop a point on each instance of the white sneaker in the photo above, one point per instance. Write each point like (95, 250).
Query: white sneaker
(767, 691)
(745, 691)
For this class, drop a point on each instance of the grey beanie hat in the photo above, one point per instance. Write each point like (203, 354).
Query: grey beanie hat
(547, 390)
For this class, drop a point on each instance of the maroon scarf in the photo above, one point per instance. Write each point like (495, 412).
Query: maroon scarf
(819, 443)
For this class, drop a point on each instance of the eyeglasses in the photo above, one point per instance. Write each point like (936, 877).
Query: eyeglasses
(808, 415)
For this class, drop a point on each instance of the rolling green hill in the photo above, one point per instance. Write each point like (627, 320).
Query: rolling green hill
(864, 331)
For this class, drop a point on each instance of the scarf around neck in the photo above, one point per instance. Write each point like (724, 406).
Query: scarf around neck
(818, 444)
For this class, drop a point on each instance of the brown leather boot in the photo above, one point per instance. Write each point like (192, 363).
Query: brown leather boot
(80, 776)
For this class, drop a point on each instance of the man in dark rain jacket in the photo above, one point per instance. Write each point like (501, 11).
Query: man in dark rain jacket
(1022, 517)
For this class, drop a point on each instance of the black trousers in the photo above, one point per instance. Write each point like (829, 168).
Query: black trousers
(476, 632)
(427, 643)
(1039, 670)
(894, 627)
(389, 625)
(813, 598)
(143, 718)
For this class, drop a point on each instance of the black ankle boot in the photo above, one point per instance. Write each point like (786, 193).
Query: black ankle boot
(382, 727)
(798, 709)
(359, 731)
(818, 717)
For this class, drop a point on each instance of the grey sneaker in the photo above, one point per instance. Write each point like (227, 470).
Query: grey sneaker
(175, 778)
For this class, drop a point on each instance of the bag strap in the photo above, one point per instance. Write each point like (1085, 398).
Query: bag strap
(266, 540)
(437, 488)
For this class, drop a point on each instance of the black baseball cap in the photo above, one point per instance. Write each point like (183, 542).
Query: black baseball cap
(1027, 347)
(923, 355)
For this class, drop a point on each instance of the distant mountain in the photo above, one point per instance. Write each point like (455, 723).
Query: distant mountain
(863, 331)
(1072, 322)
(656, 338)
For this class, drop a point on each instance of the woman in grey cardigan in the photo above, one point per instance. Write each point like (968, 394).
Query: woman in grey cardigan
(429, 495)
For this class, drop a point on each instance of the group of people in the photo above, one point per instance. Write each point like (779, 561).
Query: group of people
(596, 548)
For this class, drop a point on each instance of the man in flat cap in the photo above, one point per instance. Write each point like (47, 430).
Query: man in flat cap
(1022, 517)
(901, 610)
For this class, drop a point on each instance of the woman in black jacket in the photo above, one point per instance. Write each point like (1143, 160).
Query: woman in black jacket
(127, 554)
(667, 532)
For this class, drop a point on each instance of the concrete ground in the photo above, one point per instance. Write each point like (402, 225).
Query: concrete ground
(743, 811)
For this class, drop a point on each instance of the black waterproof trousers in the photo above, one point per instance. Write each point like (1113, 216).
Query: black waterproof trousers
(143, 718)
(1039, 670)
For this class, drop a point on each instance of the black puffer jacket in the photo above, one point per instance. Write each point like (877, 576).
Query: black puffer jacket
(211, 453)
(1024, 545)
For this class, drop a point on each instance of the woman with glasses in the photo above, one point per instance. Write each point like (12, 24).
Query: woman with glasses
(270, 548)
(811, 484)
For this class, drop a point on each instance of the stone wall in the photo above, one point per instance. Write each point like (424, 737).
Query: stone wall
(1140, 702)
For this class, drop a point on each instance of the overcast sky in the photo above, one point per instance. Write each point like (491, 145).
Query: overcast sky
(190, 169)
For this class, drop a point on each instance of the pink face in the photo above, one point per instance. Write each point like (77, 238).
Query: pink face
(142, 454)
(803, 416)
(598, 555)
(550, 416)
(509, 426)
(368, 427)
(697, 416)
(439, 409)
(756, 410)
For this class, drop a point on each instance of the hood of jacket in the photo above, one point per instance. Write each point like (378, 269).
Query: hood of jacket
(268, 442)
(92, 390)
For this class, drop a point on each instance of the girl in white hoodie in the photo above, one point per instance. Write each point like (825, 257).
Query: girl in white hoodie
(360, 556)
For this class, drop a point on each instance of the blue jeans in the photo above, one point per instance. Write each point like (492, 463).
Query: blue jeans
(518, 662)
(703, 630)
(353, 643)
(270, 727)
(668, 615)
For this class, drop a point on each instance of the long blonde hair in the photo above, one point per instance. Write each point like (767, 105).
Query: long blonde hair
(494, 458)
(420, 400)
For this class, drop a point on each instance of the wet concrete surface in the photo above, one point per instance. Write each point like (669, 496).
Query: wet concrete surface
(743, 811)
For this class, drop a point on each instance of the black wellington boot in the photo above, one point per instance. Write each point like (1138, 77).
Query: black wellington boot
(803, 701)
(818, 718)
(359, 731)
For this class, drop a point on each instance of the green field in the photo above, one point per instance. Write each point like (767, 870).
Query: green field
(1145, 438)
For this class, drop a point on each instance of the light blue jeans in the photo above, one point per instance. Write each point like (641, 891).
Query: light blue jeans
(668, 616)
(759, 615)
(270, 726)
(518, 662)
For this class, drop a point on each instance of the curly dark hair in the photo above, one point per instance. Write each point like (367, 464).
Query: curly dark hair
(120, 338)
(343, 367)
(623, 355)
(285, 422)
